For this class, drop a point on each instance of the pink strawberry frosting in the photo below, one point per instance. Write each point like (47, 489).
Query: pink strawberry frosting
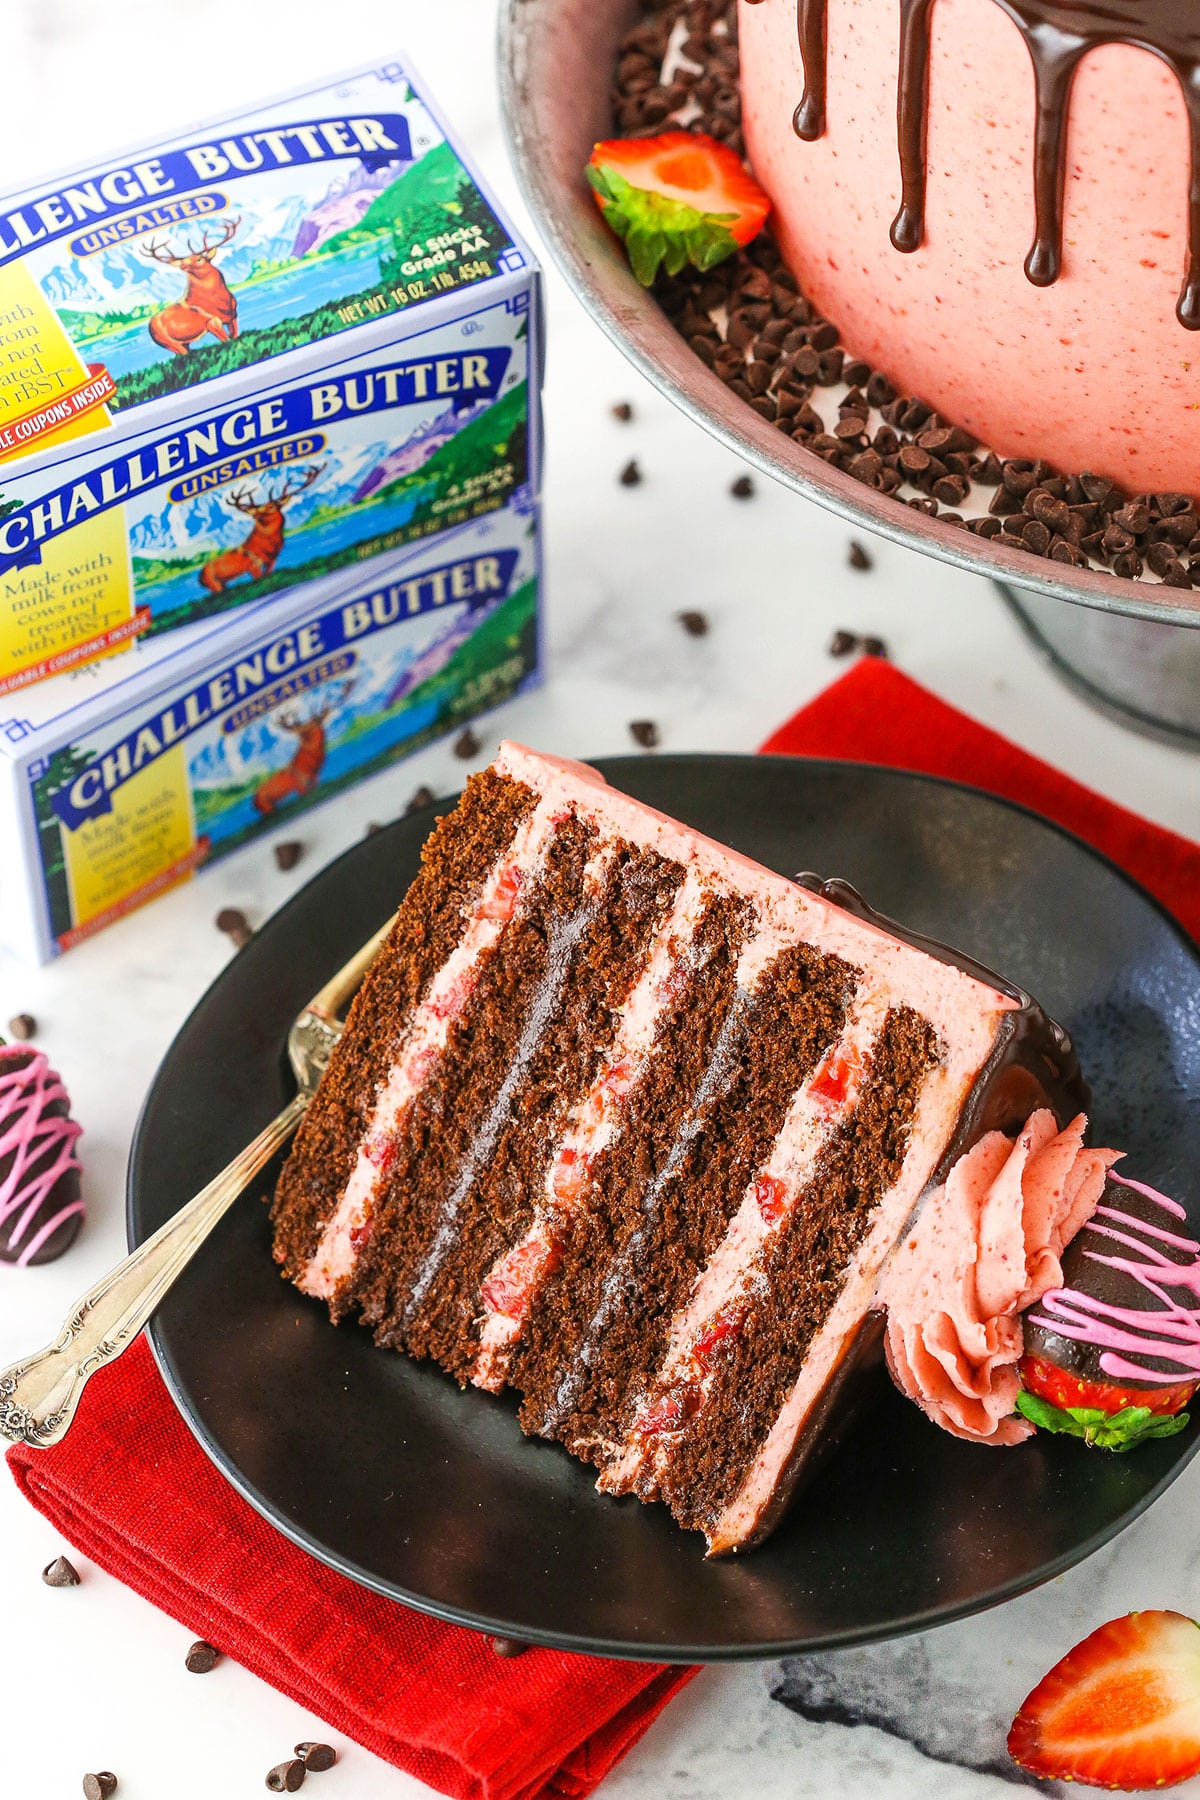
(984, 1247)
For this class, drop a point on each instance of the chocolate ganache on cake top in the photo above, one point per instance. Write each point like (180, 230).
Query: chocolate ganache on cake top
(1058, 34)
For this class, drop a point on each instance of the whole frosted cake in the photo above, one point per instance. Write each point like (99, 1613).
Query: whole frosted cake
(999, 203)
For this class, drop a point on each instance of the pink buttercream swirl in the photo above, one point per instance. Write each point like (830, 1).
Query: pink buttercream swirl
(1170, 1332)
(984, 1247)
(42, 1147)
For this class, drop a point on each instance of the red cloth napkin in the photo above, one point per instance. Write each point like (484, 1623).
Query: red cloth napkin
(131, 1488)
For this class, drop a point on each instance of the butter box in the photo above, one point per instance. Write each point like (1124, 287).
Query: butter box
(126, 776)
(248, 357)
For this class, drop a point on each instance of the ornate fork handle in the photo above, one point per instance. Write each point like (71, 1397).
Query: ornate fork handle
(38, 1397)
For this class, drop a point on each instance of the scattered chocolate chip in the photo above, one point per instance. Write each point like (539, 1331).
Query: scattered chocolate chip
(234, 923)
(858, 556)
(694, 623)
(202, 1658)
(631, 474)
(60, 1573)
(873, 646)
(422, 797)
(316, 1757)
(287, 1777)
(288, 854)
(467, 744)
(22, 1027)
(646, 733)
(842, 643)
(506, 1646)
(622, 411)
(99, 1787)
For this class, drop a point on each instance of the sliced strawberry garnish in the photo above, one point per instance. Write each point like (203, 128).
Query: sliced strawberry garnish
(1121, 1710)
(677, 198)
(771, 1196)
(1065, 1389)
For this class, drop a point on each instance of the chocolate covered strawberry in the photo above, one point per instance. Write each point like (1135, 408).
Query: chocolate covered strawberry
(1113, 1356)
(678, 198)
(1121, 1710)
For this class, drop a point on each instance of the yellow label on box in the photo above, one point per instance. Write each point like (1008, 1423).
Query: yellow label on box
(40, 371)
(73, 605)
(149, 829)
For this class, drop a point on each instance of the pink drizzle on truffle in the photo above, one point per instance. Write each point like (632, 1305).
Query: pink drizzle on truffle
(1170, 1332)
(42, 1148)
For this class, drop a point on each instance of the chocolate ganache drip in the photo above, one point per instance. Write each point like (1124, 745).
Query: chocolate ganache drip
(1057, 34)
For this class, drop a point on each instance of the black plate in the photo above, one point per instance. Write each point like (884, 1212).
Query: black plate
(382, 1468)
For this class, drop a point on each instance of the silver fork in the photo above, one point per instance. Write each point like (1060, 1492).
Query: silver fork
(38, 1396)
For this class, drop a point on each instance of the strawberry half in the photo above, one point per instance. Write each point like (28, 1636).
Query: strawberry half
(1121, 1710)
(677, 198)
(1103, 1414)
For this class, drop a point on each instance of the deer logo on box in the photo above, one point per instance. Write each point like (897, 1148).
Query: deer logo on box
(207, 306)
(260, 552)
(304, 769)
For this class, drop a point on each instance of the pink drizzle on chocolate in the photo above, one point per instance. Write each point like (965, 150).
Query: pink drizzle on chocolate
(40, 1207)
(1057, 34)
(1162, 1327)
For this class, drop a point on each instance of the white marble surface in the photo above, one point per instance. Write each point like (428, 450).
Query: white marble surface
(93, 1677)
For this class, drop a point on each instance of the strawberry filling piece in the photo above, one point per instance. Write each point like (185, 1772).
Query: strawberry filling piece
(770, 1195)
(509, 1288)
(501, 903)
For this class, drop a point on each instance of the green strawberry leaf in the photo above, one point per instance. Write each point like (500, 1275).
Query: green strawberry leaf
(658, 231)
(1119, 1432)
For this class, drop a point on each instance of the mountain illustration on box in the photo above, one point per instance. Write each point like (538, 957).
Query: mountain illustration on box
(275, 272)
(184, 528)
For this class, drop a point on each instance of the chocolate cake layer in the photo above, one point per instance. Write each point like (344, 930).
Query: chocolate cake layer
(800, 1278)
(718, 1102)
(462, 850)
(634, 895)
(449, 1133)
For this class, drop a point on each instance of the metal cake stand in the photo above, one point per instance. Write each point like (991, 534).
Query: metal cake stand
(1130, 647)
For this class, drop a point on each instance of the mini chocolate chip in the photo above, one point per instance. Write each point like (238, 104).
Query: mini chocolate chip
(622, 411)
(22, 1027)
(60, 1573)
(858, 556)
(287, 1777)
(467, 744)
(316, 1757)
(236, 926)
(422, 797)
(1036, 537)
(507, 1646)
(630, 475)
(288, 854)
(873, 646)
(694, 623)
(1135, 517)
(951, 490)
(842, 643)
(99, 1787)
(202, 1658)
(645, 732)
(372, 826)
(742, 488)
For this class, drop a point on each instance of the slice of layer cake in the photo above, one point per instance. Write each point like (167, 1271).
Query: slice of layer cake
(631, 1125)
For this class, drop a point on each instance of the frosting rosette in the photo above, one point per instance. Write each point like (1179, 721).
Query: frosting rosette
(984, 1247)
